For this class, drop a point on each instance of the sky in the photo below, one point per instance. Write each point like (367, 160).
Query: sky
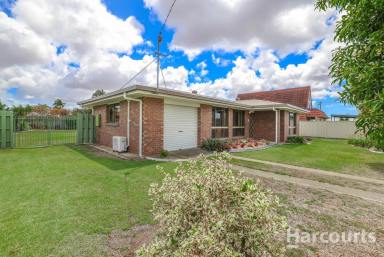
(67, 49)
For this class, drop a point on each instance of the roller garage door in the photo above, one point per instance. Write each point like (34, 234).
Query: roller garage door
(180, 127)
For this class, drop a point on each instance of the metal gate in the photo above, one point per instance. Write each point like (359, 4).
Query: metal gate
(37, 131)
(44, 130)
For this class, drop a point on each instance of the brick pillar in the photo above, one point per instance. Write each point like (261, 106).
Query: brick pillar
(204, 130)
(230, 123)
(246, 124)
(134, 127)
(153, 125)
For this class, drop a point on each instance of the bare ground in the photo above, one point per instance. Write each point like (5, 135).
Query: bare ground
(314, 211)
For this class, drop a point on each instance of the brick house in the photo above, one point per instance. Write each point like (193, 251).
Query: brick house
(297, 96)
(155, 119)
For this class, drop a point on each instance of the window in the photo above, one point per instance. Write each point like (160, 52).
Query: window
(238, 123)
(113, 111)
(292, 124)
(219, 122)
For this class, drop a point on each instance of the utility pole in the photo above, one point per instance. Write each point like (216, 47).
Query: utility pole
(159, 40)
(320, 103)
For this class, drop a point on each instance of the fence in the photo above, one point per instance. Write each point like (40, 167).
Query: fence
(328, 129)
(35, 131)
(6, 129)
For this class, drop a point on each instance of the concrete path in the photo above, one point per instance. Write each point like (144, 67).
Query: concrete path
(370, 196)
(314, 171)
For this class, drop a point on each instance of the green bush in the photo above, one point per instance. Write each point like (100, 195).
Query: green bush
(362, 142)
(214, 145)
(295, 140)
(164, 153)
(206, 210)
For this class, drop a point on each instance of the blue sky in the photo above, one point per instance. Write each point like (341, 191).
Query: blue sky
(218, 55)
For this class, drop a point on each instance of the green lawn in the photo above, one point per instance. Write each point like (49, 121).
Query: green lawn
(327, 154)
(64, 201)
(45, 137)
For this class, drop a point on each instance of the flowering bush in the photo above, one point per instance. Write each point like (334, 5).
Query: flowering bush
(206, 210)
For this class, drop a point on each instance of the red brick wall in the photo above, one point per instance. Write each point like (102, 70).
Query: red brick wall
(153, 125)
(134, 126)
(106, 131)
(204, 123)
(263, 125)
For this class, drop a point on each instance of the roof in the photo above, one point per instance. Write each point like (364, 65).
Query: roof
(316, 113)
(298, 96)
(140, 91)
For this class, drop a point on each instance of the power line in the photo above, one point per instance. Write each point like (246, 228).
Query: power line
(159, 41)
(137, 74)
(166, 19)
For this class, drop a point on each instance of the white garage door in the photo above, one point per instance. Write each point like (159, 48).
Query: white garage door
(180, 127)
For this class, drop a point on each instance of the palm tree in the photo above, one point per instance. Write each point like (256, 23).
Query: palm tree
(58, 104)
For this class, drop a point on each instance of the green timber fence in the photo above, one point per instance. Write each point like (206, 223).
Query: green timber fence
(37, 131)
(86, 131)
(6, 129)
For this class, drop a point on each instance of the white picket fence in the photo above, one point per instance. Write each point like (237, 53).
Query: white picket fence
(327, 129)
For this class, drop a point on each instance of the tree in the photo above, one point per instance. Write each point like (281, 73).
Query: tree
(3, 106)
(41, 109)
(58, 104)
(98, 92)
(358, 65)
(21, 110)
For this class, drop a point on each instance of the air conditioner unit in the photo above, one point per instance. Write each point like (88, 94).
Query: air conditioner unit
(119, 144)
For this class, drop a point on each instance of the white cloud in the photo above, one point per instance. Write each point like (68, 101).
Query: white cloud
(286, 26)
(83, 25)
(91, 36)
(264, 73)
(203, 68)
(20, 45)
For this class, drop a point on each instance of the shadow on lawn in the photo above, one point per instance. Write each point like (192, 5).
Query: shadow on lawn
(109, 161)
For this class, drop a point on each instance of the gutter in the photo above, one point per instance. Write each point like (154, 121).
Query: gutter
(140, 122)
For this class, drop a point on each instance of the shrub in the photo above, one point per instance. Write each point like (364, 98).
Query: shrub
(205, 210)
(164, 153)
(296, 140)
(214, 145)
(362, 142)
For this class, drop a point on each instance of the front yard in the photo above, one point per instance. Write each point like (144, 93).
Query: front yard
(65, 201)
(71, 200)
(326, 154)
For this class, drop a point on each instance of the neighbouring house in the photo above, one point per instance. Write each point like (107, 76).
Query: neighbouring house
(298, 96)
(154, 119)
(343, 117)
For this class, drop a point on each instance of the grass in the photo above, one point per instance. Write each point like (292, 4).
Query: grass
(64, 201)
(44, 137)
(326, 154)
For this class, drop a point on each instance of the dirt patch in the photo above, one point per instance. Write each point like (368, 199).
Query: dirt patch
(312, 211)
(126, 243)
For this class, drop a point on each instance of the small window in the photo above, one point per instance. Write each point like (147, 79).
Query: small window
(292, 124)
(238, 123)
(219, 122)
(113, 113)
